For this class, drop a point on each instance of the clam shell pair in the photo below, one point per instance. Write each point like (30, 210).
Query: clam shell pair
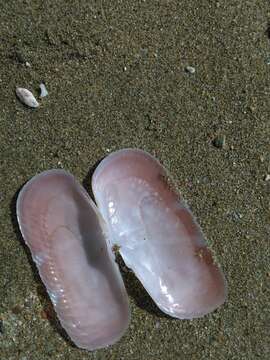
(138, 209)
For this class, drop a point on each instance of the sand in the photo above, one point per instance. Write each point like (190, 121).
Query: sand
(116, 73)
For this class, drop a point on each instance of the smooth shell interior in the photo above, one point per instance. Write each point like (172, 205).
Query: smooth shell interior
(67, 238)
(159, 238)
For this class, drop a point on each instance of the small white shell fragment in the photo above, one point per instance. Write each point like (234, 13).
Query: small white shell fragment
(26, 97)
(43, 90)
(190, 69)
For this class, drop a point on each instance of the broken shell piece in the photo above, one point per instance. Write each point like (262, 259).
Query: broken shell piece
(157, 235)
(26, 97)
(43, 90)
(67, 238)
(190, 69)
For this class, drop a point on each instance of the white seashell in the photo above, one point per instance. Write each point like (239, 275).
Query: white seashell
(190, 69)
(43, 90)
(26, 97)
(68, 241)
(157, 235)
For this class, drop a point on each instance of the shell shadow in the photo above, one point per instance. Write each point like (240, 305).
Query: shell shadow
(137, 292)
(87, 181)
(43, 296)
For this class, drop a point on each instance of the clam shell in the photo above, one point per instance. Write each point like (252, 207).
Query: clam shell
(26, 97)
(67, 239)
(157, 235)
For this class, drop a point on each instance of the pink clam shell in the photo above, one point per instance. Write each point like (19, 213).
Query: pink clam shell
(158, 236)
(67, 238)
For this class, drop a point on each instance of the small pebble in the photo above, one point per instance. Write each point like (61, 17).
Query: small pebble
(16, 309)
(219, 141)
(27, 64)
(26, 97)
(43, 90)
(190, 69)
(236, 215)
(261, 158)
(267, 177)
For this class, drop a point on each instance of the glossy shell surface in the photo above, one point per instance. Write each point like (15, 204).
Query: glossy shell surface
(67, 238)
(157, 235)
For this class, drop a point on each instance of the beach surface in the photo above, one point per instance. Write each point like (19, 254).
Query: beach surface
(121, 74)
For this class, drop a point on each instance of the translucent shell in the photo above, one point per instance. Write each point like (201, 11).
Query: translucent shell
(158, 236)
(68, 242)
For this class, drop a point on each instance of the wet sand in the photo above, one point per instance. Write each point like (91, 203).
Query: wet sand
(116, 76)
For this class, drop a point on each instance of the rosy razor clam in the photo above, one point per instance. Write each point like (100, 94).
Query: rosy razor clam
(157, 235)
(67, 238)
